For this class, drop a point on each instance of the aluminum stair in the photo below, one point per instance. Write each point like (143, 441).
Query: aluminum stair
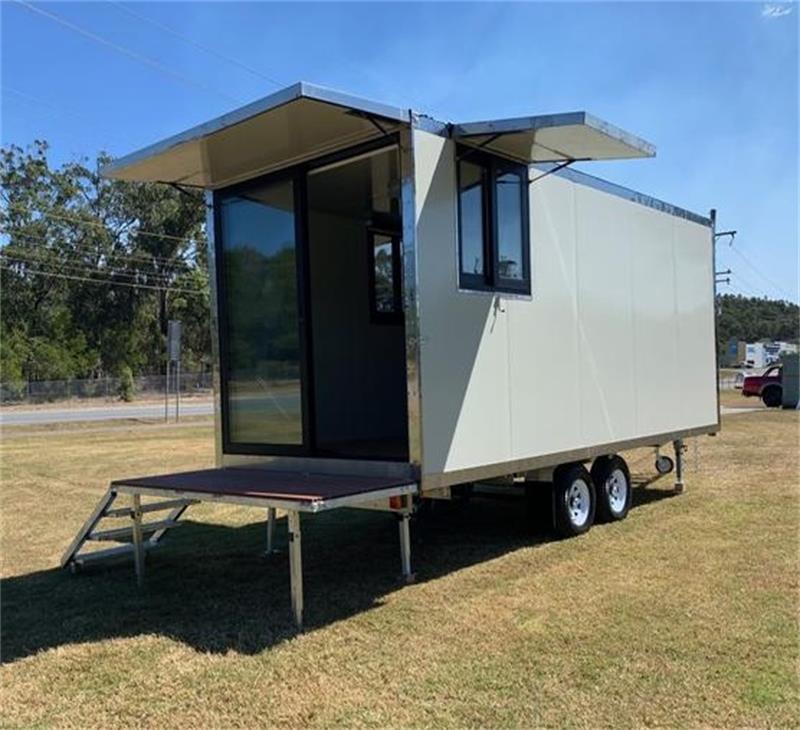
(106, 514)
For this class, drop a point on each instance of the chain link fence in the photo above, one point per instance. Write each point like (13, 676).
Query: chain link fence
(50, 391)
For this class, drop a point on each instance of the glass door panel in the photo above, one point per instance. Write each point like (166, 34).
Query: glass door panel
(261, 341)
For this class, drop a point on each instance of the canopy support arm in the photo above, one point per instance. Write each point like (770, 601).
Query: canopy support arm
(552, 170)
(481, 146)
(188, 190)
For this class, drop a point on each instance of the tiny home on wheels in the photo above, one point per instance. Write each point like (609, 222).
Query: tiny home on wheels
(402, 305)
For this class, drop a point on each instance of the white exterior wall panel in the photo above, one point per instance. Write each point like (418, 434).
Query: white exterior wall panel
(463, 338)
(616, 342)
(605, 318)
(694, 277)
(543, 342)
(655, 322)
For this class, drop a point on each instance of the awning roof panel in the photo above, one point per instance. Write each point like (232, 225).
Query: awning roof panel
(554, 138)
(305, 121)
(295, 123)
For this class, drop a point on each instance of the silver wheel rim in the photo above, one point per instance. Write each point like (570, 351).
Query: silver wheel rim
(617, 491)
(578, 502)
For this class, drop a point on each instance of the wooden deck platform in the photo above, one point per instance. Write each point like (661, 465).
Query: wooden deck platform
(254, 486)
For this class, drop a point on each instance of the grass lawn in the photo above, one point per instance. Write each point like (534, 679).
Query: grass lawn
(684, 615)
(735, 399)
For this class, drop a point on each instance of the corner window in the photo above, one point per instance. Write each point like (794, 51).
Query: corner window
(384, 278)
(494, 250)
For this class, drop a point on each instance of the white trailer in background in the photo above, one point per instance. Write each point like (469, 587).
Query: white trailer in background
(382, 283)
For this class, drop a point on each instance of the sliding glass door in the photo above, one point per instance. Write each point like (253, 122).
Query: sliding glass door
(260, 336)
(311, 331)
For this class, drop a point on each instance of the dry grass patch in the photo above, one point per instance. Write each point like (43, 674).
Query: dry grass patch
(735, 399)
(683, 615)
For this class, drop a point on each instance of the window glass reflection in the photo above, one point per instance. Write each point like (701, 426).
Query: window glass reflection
(263, 341)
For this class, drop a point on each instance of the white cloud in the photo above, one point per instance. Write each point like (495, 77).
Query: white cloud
(770, 10)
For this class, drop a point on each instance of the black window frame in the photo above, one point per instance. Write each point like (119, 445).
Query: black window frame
(396, 315)
(493, 166)
(297, 181)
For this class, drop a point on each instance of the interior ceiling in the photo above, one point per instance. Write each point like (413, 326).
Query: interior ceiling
(357, 188)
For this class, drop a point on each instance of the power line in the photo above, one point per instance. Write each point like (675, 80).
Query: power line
(131, 273)
(78, 248)
(14, 233)
(196, 44)
(107, 282)
(85, 275)
(102, 226)
(748, 286)
(77, 265)
(125, 51)
(759, 273)
(52, 111)
(58, 110)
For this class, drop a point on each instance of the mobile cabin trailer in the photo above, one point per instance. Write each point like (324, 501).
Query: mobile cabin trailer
(382, 284)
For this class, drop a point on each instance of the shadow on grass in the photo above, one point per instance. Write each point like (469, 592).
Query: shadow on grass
(210, 587)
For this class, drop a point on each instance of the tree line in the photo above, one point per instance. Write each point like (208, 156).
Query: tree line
(750, 319)
(92, 270)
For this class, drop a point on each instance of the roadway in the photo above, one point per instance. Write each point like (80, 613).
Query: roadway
(41, 416)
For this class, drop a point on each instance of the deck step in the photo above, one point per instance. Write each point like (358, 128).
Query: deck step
(73, 557)
(153, 507)
(126, 533)
(120, 551)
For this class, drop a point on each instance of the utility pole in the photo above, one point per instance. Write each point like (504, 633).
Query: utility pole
(173, 359)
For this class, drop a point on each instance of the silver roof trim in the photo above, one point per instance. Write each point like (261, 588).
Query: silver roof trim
(598, 183)
(300, 90)
(548, 121)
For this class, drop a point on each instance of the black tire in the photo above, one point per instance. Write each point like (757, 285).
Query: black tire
(664, 464)
(772, 396)
(574, 500)
(613, 497)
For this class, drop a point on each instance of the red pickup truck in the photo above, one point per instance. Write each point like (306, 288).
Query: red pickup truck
(766, 385)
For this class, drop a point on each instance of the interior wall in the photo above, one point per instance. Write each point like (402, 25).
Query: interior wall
(359, 366)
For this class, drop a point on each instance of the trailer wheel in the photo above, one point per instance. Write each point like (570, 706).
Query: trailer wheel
(772, 396)
(612, 481)
(573, 500)
(664, 464)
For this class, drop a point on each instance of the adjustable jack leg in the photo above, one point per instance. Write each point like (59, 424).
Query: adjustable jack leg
(270, 531)
(296, 567)
(679, 447)
(138, 543)
(403, 520)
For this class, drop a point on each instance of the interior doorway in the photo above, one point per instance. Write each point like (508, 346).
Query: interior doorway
(357, 340)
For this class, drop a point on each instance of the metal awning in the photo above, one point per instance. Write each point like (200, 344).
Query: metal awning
(554, 138)
(305, 121)
(296, 123)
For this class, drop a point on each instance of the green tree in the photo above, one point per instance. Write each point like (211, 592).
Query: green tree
(750, 319)
(93, 269)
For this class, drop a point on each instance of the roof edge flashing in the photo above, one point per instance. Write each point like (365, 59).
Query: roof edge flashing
(611, 188)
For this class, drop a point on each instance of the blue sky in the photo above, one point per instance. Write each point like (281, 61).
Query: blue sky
(713, 85)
